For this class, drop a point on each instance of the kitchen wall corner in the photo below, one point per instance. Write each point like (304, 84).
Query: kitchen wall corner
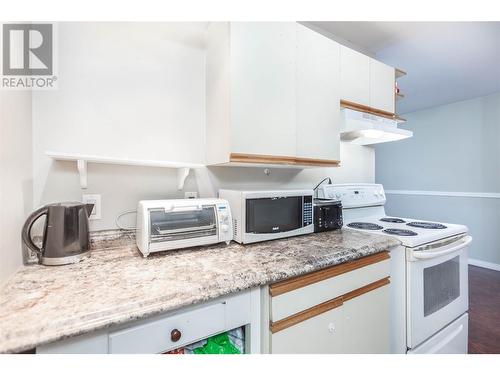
(16, 176)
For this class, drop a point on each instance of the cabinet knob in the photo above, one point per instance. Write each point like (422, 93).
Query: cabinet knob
(175, 335)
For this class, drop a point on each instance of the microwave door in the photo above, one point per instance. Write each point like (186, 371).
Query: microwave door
(274, 215)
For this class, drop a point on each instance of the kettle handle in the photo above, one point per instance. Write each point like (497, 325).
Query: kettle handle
(26, 231)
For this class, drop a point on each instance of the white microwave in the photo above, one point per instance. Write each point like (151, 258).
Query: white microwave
(179, 223)
(269, 214)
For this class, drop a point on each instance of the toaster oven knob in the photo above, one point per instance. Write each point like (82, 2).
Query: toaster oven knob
(224, 227)
(175, 335)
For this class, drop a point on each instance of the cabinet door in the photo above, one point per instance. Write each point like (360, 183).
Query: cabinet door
(354, 76)
(382, 79)
(366, 322)
(318, 95)
(321, 334)
(263, 56)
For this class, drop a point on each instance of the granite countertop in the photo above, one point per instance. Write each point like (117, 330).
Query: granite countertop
(42, 304)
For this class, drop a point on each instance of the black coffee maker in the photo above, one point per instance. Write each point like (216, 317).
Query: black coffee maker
(65, 235)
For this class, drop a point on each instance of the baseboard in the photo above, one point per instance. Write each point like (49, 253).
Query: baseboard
(483, 264)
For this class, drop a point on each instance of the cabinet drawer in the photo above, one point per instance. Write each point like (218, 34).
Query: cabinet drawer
(155, 337)
(301, 293)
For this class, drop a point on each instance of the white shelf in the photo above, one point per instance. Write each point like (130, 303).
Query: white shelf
(82, 160)
(399, 73)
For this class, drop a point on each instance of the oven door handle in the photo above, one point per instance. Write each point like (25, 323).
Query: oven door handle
(435, 254)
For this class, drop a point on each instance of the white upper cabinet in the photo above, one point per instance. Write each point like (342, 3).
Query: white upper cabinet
(354, 76)
(382, 82)
(263, 88)
(366, 81)
(318, 92)
(272, 95)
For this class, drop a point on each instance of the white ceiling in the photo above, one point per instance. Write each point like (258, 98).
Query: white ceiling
(446, 61)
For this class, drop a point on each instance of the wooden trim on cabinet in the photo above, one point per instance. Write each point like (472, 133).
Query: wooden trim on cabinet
(285, 160)
(366, 109)
(365, 289)
(301, 281)
(325, 306)
(306, 314)
(399, 119)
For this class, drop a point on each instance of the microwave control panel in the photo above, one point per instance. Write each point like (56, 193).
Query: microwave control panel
(307, 210)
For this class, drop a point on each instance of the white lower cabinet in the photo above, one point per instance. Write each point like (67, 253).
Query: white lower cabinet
(339, 309)
(360, 325)
(322, 334)
(169, 333)
(172, 330)
(366, 322)
(346, 310)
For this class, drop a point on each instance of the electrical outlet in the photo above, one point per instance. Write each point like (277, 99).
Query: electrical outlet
(94, 199)
(190, 194)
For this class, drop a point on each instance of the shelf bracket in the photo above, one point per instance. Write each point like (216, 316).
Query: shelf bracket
(81, 165)
(182, 174)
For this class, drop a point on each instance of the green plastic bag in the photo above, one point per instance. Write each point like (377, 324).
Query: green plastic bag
(218, 344)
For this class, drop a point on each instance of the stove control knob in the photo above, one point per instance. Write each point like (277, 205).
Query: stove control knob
(338, 195)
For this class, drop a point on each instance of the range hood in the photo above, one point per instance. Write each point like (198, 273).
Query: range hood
(362, 128)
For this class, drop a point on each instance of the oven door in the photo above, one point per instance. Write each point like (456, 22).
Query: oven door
(437, 287)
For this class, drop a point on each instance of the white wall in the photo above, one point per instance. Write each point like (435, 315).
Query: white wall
(133, 90)
(16, 194)
(142, 85)
(455, 153)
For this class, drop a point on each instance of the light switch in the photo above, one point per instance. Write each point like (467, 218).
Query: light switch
(94, 199)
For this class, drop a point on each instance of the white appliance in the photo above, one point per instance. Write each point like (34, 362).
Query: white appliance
(429, 274)
(179, 223)
(263, 215)
(365, 129)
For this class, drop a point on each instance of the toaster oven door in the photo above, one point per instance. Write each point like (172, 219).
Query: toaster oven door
(182, 223)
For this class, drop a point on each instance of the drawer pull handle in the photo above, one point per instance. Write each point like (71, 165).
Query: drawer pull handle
(175, 335)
